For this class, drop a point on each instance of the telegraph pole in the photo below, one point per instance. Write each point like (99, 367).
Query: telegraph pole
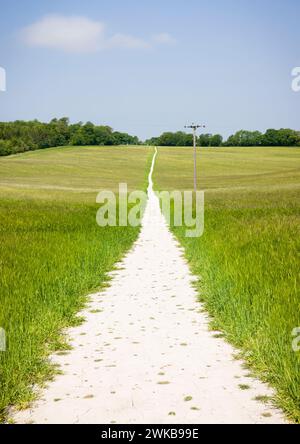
(194, 128)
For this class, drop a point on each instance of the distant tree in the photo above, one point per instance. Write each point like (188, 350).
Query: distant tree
(204, 140)
(216, 140)
(103, 135)
(245, 138)
(172, 139)
(188, 140)
(270, 138)
(5, 148)
(168, 139)
(125, 139)
(282, 137)
(154, 141)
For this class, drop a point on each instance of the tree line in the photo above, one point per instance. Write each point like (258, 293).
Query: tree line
(21, 136)
(272, 137)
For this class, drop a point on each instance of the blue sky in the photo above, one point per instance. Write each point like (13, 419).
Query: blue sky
(151, 66)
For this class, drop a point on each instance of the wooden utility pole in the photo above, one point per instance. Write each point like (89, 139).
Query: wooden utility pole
(194, 128)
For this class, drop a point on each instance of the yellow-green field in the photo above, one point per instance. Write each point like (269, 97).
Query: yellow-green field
(52, 253)
(248, 258)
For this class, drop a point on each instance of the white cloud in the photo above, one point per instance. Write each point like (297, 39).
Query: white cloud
(164, 38)
(70, 34)
(80, 34)
(127, 42)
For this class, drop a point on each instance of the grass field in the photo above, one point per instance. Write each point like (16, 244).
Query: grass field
(248, 258)
(52, 253)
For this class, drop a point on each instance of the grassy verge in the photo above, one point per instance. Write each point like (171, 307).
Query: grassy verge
(52, 253)
(248, 258)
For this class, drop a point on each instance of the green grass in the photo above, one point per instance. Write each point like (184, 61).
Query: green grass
(52, 253)
(248, 258)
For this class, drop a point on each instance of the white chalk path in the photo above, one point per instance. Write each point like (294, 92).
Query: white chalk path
(145, 353)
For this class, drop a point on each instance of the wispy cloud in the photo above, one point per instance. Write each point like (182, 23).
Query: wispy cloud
(164, 38)
(126, 42)
(80, 34)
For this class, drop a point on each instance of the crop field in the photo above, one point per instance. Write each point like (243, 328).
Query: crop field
(247, 260)
(52, 252)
